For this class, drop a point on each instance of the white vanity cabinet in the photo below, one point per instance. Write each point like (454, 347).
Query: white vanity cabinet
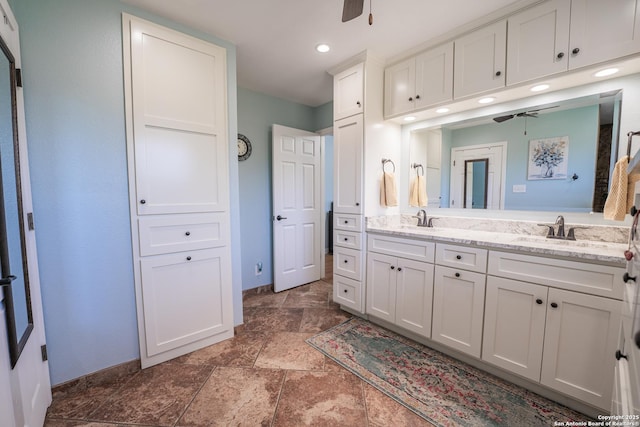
(480, 60)
(544, 332)
(400, 288)
(420, 81)
(561, 35)
(348, 92)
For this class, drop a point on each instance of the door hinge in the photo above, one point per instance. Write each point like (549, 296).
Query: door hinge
(30, 223)
(18, 77)
(43, 350)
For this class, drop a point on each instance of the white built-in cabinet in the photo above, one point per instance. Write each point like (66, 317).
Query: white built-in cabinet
(561, 338)
(561, 35)
(348, 92)
(480, 60)
(420, 81)
(400, 282)
(177, 144)
(552, 321)
(549, 38)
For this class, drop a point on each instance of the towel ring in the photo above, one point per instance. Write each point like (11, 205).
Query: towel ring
(385, 161)
(416, 166)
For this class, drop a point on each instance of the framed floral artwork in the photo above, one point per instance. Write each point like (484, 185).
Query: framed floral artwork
(548, 158)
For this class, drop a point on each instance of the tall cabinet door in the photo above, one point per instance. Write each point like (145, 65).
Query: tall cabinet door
(177, 146)
(348, 92)
(180, 124)
(348, 145)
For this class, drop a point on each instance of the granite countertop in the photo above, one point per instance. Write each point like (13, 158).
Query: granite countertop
(581, 250)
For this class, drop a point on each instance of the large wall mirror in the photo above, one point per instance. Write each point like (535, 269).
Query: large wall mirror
(14, 278)
(558, 156)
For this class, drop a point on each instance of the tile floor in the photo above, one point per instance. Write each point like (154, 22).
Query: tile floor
(265, 376)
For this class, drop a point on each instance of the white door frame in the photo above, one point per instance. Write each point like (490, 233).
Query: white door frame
(323, 197)
(455, 191)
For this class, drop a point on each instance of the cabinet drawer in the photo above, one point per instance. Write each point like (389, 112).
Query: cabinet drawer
(472, 259)
(419, 250)
(577, 276)
(348, 239)
(175, 233)
(348, 292)
(348, 263)
(348, 222)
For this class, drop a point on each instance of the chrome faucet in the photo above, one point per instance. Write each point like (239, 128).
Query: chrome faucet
(560, 224)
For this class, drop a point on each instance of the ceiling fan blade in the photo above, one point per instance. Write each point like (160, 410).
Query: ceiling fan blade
(501, 119)
(352, 9)
(527, 114)
(540, 109)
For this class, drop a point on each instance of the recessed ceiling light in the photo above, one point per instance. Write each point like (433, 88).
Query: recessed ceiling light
(323, 48)
(487, 100)
(409, 118)
(442, 110)
(539, 88)
(606, 72)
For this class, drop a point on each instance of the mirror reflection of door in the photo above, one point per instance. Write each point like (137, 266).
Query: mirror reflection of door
(13, 268)
(476, 183)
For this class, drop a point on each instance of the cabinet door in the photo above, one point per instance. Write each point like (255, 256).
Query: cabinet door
(434, 76)
(537, 41)
(480, 59)
(180, 134)
(603, 30)
(348, 144)
(414, 296)
(381, 286)
(580, 338)
(514, 326)
(458, 305)
(186, 299)
(400, 88)
(348, 92)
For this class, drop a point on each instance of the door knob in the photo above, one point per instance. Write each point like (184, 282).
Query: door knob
(280, 218)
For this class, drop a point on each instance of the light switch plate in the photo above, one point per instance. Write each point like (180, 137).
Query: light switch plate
(520, 188)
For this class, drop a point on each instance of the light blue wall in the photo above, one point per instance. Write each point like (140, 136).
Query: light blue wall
(257, 113)
(73, 86)
(580, 124)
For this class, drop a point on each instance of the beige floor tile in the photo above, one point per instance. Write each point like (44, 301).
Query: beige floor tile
(288, 350)
(235, 397)
(321, 399)
(241, 350)
(321, 319)
(383, 411)
(272, 319)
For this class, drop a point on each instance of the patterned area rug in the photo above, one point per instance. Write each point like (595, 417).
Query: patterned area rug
(440, 389)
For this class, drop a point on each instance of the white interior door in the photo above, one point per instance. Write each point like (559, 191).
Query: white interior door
(296, 207)
(25, 389)
(496, 153)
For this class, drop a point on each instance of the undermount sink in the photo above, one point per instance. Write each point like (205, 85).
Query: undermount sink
(563, 242)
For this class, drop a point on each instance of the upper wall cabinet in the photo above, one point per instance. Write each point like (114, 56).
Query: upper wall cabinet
(480, 60)
(419, 82)
(348, 92)
(562, 35)
(537, 42)
(603, 30)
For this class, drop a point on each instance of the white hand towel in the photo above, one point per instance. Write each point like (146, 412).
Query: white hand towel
(388, 190)
(418, 194)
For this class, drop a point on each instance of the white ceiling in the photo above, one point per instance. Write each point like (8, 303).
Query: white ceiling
(276, 39)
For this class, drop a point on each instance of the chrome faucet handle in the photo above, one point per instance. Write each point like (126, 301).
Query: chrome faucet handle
(560, 224)
(571, 234)
(551, 232)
